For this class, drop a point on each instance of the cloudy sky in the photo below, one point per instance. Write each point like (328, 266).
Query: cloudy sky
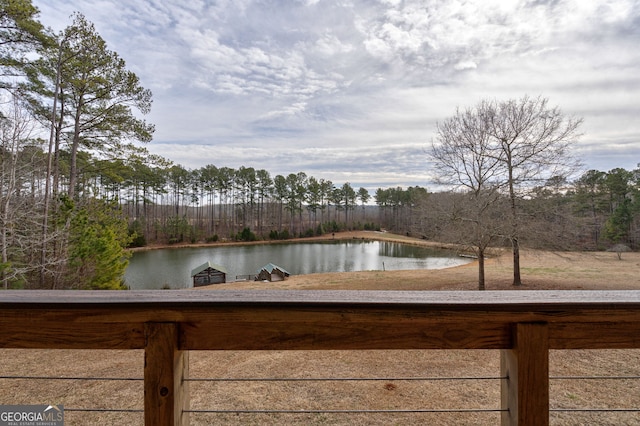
(351, 90)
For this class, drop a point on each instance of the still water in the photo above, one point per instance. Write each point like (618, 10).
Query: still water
(156, 269)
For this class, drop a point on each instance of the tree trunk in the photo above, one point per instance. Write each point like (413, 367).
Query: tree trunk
(481, 269)
(515, 243)
(73, 162)
(517, 280)
(52, 137)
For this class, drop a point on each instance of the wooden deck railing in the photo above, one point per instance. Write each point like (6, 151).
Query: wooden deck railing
(524, 325)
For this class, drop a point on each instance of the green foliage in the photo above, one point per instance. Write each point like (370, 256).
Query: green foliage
(176, 228)
(618, 225)
(367, 226)
(246, 235)
(20, 32)
(363, 195)
(136, 233)
(193, 234)
(370, 226)
(16, 283)
(334, 226)
(97, 241)
(282, 235)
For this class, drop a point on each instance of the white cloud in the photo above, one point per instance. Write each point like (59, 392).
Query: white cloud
(329, 45)
(465, 65)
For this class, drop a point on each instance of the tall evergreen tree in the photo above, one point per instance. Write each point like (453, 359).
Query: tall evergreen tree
(99, 94)
(97, 242)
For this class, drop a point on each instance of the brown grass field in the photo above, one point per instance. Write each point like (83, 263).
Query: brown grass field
(390, 391)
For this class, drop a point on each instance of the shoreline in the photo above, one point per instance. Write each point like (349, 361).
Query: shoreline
(338, 236)
(541, 270)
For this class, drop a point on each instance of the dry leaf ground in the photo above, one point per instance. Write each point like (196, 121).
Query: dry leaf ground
(541, 270)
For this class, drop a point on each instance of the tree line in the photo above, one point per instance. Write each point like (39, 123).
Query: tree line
(174, 204)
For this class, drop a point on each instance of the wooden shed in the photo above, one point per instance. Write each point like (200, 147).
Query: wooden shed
(208, 273)
(271, 272)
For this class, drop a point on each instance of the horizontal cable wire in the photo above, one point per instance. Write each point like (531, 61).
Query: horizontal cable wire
(320, 411)
(71, 378)
(336, 379)
(106, 410)
(597, 410)
(317, 379)
(594, 377)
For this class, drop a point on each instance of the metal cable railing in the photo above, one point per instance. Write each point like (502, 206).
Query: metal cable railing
(553, 409)
(80, 379)
(332, 379)
(388, 379)
(274, 379)
(394, 411)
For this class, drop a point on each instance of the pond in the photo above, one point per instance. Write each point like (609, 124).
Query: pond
(171, 267)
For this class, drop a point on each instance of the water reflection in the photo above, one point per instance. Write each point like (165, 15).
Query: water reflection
(172, 267)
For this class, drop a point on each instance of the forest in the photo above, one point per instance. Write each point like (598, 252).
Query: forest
(79, 188)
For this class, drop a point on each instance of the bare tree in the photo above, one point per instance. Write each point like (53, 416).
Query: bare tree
(533, 142)
(465, 159)
(474, 221)
(19, 155)
(507, 147)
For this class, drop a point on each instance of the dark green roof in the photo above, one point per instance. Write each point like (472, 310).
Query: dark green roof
(269, 267)
(207, 265)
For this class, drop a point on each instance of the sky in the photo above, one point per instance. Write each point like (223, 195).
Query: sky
(351, 90)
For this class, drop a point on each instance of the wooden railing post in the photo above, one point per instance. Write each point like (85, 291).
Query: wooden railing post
(166, 392)
(525, 391)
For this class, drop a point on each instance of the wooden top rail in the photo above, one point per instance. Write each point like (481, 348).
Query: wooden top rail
(280, 319)
(459, 299)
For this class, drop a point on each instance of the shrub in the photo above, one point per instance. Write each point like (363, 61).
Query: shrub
(282, 235)
(247, 235)
(136, 233)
